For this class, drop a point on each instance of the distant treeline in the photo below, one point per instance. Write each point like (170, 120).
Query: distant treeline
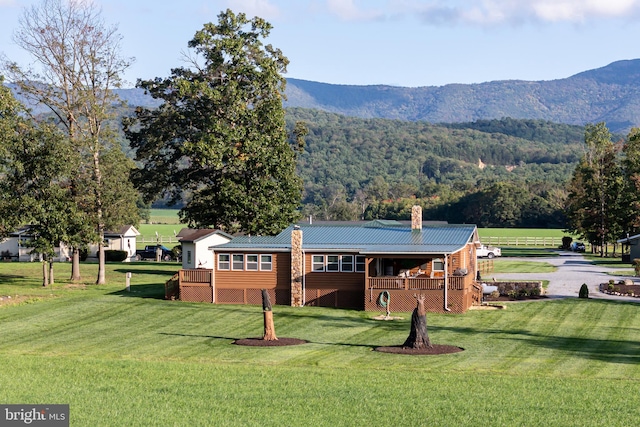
(504, 172)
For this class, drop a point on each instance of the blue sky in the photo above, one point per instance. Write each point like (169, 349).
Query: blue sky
(396, 42)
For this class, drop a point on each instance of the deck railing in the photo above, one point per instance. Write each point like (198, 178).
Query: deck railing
(416, 283)
(199, 275)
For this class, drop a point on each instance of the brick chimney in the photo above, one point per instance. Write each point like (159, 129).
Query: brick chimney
(416, 218)
(297, 265)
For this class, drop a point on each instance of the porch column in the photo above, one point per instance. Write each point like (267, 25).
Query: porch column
(446, 283)
(297, 268)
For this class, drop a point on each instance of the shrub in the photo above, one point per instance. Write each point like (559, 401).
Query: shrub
(495, 294)
(584, 291)
(534, 292)
(636, 266)
(113, 255)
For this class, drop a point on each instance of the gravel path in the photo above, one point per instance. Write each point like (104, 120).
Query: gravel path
(573, 270)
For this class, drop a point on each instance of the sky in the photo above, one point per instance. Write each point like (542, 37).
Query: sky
(409, 43)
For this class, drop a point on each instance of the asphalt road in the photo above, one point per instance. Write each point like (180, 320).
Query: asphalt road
(573, 270)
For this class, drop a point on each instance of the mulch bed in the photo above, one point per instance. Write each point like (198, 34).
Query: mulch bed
(436, 349)
(259, 342)
(620, 289)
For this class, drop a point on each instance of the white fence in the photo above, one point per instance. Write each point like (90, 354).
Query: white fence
(160, 239)
(547, 242)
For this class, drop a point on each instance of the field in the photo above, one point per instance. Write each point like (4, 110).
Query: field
(166, 223)
(133, 359)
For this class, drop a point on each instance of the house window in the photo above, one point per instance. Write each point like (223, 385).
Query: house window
(437, 265)
(252, 262)
(238, 262)
(333, 263)
(317, 263)
(360, 264)
(266, 262)
(189, 258)
(223, 261)
(346, 263)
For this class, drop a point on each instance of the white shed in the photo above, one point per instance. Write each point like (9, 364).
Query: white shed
(123, 239)
(196, 243)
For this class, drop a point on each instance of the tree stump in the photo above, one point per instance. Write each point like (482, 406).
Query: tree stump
(419, 336)
(269, 329)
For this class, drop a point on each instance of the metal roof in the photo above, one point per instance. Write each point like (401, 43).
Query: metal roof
(371, 238)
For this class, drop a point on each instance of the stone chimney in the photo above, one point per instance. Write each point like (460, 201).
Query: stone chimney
(416, 218)
(297, 265)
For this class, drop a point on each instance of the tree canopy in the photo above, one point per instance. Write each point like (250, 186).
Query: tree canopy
(219, 140)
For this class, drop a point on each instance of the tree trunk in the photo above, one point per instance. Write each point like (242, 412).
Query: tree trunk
(419, 336)
(75, 266)
(51, 281)
(45, 273)
(101, 266)
(269, 328)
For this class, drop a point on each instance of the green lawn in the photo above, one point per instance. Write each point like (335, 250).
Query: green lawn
(518, 266)
(133, 359)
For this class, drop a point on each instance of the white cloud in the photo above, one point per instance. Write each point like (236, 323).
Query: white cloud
(265, 9)
(489, 12)
(347, 10)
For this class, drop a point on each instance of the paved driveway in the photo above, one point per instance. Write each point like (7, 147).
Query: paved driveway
(573, 270)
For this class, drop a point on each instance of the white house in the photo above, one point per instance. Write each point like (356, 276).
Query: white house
(196, 243)
(18, 247)
(122, 240)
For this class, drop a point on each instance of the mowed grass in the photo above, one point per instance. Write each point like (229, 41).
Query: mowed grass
(518, 266)
(133, 359)
(521, 232)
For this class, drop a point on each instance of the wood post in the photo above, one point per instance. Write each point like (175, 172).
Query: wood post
(269, 328)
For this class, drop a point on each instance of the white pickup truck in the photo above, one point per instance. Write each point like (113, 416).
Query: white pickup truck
(488, 251)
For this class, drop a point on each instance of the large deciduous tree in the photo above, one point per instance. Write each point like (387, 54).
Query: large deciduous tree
(593, 204)
(630, 206)
(79, 64)
(36, 167)
(219, 140)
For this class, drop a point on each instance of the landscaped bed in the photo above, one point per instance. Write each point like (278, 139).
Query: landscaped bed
(621, 288)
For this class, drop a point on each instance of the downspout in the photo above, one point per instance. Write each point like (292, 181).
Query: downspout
(304, 278)
(446, 283)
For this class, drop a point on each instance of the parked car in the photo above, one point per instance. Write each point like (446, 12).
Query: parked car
(488, 252)
(149, 252)
(577, 247)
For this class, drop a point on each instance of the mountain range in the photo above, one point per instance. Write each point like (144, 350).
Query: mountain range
(609, 94)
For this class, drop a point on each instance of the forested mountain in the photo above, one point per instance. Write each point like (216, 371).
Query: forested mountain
(610, 94)
(376, 168)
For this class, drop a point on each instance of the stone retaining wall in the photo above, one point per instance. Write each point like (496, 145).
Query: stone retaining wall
(505, 288)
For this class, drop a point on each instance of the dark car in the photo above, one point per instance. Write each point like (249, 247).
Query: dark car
(149, 252)
(578, 247)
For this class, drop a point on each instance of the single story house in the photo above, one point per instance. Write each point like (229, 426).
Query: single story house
(18, 244)
(196, 243)
(362, 266)
(123, 239)
(630, 248)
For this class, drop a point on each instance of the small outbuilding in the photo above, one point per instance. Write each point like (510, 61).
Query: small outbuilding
(196, 243)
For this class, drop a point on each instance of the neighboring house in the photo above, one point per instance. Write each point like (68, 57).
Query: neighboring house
(195, 246)
(633, 244)
(346, 266)
(18, 244)
(124, 239)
